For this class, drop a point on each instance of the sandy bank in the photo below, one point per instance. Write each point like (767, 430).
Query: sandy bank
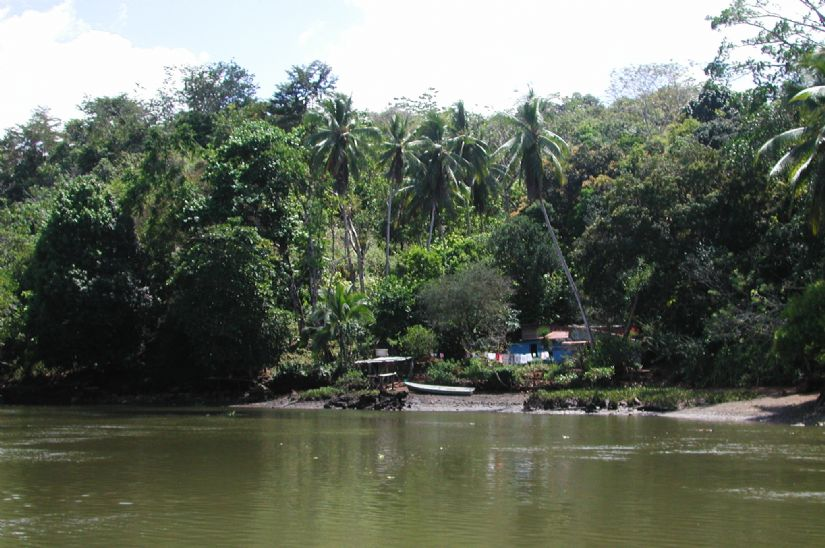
(777, 409)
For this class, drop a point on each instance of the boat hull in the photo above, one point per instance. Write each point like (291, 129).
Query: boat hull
(439, 390)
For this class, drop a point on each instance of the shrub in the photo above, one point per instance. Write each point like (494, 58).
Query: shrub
(801, 341)
(598, 375)
(472, 305)
(618, 354)
(298, 371)
(444, 372)
(393, 305)
(419, 342)
(352, 380)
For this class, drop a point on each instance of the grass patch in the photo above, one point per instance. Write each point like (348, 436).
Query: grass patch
(318, 394)
(329, 392)
(651, 398)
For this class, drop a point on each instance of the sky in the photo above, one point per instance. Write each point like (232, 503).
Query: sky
(53, 53)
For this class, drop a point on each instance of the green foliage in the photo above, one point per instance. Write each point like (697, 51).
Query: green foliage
(661, 399)
(297, 370)
(342, 316)
(223, 303)
(252, 175)
(444, 372)
(393, 305)
(471, 307)
(418, 342)
(611, 355)
(801, 340)
(803, 163)
(208, 89)
(352, 380)
(86, 299)
(321, 393)
(491, 376)
(306, 86)
(27, 156)
(778, 39)
(521, 248)
(418, 265)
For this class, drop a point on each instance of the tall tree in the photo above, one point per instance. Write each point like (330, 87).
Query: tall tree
(783, 36)
(26, 155)
(535, 149)
(86, 300)
(395, 156)
(207, 89)
(473, 151)
(305, 88)
(805, 161)
(437, 175)
(338, 149)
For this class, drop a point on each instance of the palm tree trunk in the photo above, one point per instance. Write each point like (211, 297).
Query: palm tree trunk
(347, 243)
(432, 225)
(360, 252)
(566, 270)
(389, 217)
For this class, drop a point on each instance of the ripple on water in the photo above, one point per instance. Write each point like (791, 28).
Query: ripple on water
(753, 493)
(16, 454)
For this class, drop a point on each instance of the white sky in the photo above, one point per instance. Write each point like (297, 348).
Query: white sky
(55, 52)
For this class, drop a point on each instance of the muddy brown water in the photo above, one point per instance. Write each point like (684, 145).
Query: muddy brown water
(75, 476)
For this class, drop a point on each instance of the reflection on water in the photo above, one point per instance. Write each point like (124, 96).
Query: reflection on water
(70, 476)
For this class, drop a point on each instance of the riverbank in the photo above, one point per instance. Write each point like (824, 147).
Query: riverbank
(776, 407)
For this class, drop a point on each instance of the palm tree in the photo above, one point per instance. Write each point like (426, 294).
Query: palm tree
(436, 174)
(534, 149)
(337, 149)
(805, 161)
(475, 172)
(396, 156)
(340, 314)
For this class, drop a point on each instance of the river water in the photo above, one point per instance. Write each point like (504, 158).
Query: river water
(121, 477)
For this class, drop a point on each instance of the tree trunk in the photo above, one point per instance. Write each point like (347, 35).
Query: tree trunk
(566, 270)
(312, 264)
(630, 315)
(360, 252)
(389, 220)
(347, 243)
(432, 225)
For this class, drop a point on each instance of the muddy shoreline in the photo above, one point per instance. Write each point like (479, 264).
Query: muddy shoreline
(777, 408)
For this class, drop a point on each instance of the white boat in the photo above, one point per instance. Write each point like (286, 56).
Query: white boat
(440, 390)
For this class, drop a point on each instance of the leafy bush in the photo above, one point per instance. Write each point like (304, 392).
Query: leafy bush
(801, 341)
(393, 305)
(444, 372)
(418, 265)
(618, 354)
(224, 302)
(298, 371)
(472, 305)
(598, 375)
(351, 380)
(419, 342)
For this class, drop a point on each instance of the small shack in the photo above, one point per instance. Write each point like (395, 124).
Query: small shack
(384, 368)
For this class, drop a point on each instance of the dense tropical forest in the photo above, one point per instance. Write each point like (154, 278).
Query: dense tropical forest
(209, 236)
